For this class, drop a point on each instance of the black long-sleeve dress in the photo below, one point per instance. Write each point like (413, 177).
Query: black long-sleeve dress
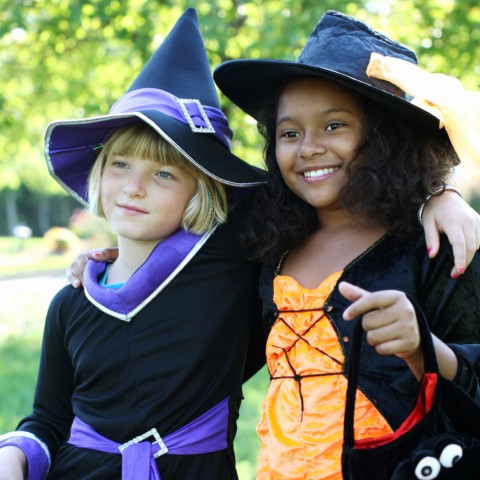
(185, 351)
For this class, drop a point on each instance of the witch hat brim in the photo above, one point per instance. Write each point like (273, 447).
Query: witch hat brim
(237, 79)
(70, 161)
(338, 49)
(175, 95)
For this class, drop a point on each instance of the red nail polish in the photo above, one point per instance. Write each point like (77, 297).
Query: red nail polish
(461, 270)
(455, 275)
(429, 250)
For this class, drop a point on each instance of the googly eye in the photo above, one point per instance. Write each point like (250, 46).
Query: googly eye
(428, 468)
(450, 455)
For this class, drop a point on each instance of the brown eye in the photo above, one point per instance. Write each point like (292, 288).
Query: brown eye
(289, 134)
(334, 126)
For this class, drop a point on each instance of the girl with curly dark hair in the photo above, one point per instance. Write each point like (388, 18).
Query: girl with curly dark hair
(379, 189)
(351, 161)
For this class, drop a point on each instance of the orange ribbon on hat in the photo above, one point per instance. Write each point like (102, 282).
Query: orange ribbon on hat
(457, 109)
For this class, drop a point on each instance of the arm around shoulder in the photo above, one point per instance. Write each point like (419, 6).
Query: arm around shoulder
(13, 463)
(452, 307)
(450, 214)
(23, 456)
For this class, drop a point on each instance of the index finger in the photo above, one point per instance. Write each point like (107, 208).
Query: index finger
(458, 239)
(370, 301)
(74, 272)
(432, 235)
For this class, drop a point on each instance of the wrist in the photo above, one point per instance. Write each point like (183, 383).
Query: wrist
(415, 362)
(436, 192)
(14, 460)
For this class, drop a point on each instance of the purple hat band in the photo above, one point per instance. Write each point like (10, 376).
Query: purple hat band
(200, 118)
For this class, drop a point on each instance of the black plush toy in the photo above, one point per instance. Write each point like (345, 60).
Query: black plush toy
(440, 439)
(443, 457)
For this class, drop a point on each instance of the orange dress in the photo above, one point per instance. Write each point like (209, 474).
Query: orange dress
(301, 430)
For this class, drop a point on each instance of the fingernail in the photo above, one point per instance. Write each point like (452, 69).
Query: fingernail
(429, 250)
(96, 254)
(461, 270)
(455, 275)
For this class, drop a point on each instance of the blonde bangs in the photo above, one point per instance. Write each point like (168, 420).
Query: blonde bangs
(209, 205)
(142, 141)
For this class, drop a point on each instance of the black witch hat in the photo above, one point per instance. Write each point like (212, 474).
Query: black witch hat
(176, 96)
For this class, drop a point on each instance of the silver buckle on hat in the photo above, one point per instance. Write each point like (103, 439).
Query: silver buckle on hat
(209, 127)
(151, 433)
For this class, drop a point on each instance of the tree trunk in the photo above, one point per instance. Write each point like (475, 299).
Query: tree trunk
(43, 213)
(11, 210)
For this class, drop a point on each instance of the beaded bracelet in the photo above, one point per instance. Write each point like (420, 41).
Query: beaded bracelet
(435, 193)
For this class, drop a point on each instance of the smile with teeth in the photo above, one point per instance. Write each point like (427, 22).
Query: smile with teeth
(321, 172)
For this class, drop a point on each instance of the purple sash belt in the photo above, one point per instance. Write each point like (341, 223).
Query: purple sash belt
(205, 434)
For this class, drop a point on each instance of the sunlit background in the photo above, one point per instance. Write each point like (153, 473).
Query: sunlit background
(64, 59)
(69, 59)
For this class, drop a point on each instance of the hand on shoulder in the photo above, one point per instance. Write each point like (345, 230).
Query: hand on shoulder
(77, 268)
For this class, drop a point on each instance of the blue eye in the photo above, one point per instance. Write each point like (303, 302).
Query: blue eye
(164, 174)
(119, 164)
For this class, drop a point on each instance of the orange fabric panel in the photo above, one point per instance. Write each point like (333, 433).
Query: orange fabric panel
(301, 429)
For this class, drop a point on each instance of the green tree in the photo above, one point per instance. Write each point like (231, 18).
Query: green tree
(73, 58)
(70, 59)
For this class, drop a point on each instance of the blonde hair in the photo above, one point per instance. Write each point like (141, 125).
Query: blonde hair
(207, 207)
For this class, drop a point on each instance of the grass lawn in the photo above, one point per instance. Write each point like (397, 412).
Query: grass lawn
(29, 257)
(24, 305)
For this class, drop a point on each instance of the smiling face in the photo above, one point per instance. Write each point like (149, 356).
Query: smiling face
(144, 200)
(318, 129)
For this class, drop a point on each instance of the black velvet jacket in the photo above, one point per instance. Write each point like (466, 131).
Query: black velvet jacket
(452, 308)
(184, 352)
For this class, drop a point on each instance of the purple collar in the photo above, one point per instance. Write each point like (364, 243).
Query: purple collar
(166, 260)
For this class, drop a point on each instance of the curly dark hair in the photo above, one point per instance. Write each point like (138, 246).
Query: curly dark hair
(398, 167)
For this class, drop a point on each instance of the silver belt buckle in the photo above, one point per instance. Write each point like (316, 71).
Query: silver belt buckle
(151, 433)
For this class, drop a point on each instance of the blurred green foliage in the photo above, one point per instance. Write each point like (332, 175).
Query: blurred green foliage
(19, 356)
(73, 58)
(31, 256)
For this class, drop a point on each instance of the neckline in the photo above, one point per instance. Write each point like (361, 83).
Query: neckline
(347, 267)
(326, 280)
(103, 279)
(166, 260)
